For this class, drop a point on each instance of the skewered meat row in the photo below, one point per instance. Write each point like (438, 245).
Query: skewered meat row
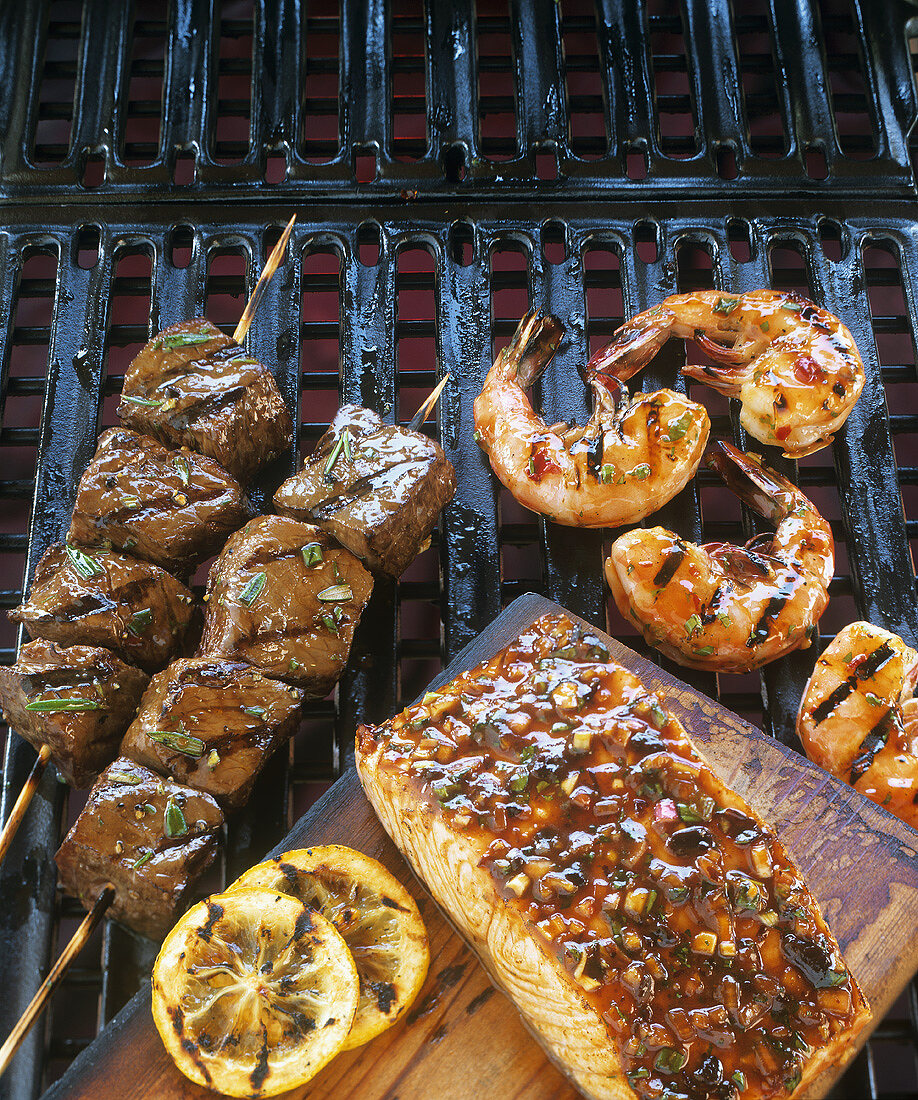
(76, 700)
(211, 724)
(150, 837)
(192, 386)
(378, 488)
(134, 608)
(287, 598)
(171, 508)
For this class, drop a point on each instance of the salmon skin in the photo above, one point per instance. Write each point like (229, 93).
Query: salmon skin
(648, 925)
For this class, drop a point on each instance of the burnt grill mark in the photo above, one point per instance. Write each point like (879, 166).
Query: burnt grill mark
(871, 745)
(261, 1070)
(594, 452)
(191, 1049)
(874, 662)
(304, 924)
(385, 995)
(835, 699)
(214, 913)
(394, 904)
(356, 490)
(177, 1017)
(772, 609)
(674, 557)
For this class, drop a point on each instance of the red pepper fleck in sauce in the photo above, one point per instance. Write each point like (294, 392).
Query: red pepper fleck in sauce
(807, 370)
(671, 905)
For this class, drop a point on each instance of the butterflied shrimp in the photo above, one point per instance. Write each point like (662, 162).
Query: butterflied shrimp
(858, 718)
(722, 607)
(630, 458)
(794, 366)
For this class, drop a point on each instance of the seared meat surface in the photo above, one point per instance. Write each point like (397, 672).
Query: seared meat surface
(193, 386)
(173, 508)
(378, 488)
(211, 724)
(77, 701)
(149, 837)
(131, 607)
(286, 598)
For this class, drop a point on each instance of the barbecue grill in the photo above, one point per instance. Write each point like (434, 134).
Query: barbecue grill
(448, 167)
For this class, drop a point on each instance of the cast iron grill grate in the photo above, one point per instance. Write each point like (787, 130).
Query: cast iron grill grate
(146, 171)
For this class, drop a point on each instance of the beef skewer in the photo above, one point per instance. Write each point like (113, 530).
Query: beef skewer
(91, 518)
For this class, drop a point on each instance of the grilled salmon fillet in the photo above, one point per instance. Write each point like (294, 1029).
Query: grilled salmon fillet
(647, 924)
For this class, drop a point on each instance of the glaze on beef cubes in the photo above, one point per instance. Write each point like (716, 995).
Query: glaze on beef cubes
(193, 386)
(149, 837)
(131, 607)
(378, 488)
(211, 724)
(77, 701)
(286, 598)
(173, 508)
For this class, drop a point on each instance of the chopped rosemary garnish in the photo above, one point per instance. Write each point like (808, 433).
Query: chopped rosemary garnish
(174, 819)
(253, 589)
(335, 593)
(179, 742)
(346, 440)
(82, 563)
(124, 777)
(181, 464)
(141, 401)
(333, 457)
(138, 863)
(184, 339)
(56, 706)
(256, 712)
(140, 620)
(312, 553)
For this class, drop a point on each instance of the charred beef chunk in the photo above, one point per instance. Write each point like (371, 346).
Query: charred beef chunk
(149, 837)
(173, 508)
(77, 701)
(131, 607)
(286, 598)
(211, 724)
(192, 386)
(376, 487)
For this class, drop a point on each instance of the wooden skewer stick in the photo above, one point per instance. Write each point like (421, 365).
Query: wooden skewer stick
(47, 987)
(271, 266)
(424, 411)
(22, 802)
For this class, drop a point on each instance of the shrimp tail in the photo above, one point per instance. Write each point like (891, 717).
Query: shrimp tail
(533, 347)
(726, 379)
(764, 490)
(633, 345)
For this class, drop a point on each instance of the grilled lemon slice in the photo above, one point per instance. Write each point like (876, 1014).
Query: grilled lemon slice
(374, 913)
(253, 993)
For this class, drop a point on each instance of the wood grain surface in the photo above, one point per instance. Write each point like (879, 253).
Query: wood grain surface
(463, 1039)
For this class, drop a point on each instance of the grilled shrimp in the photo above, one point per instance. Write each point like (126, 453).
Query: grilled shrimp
(858, 718)
(794, 366)
(722, 607)
(630, 458)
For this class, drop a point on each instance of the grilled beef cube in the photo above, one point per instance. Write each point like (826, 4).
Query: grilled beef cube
(131, 607)
(149, 837)
(211, 724)
(286, 598)
(376, 487)
(173, 508)
(77, 701)
(192, 386)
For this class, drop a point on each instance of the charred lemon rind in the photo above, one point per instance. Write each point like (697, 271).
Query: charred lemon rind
(345, 885)
(253, 994)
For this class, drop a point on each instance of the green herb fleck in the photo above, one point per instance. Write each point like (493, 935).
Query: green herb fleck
(293, 665)
(873, 700)
(57, 706)
(670, 1060)
(692, 625)
(138, 863)
(124, 777)
(312, 553)
(179, 742)
(739, 1079)
(140, 620)
(676, 429)
(641, 472)
(253, 589)
(181, 464)
(141, 401)
(764, 326)
(704, 650)
(333, 457)
(606, 472)
(256, 712)
(519, 782)
(335, 593)
(726, 305)
(184, 340)
(82, 563)
(174, 819)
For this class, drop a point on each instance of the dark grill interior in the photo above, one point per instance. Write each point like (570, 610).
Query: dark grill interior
(586, 157)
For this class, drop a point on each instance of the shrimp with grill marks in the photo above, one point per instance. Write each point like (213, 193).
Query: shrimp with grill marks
(631, 457)
(859, 719)
(730, 608)
(794, 366)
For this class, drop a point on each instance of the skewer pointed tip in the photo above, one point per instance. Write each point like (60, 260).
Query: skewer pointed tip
(424, 411)
(274, 261)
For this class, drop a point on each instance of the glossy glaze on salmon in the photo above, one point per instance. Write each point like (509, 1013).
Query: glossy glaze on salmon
(646, 922)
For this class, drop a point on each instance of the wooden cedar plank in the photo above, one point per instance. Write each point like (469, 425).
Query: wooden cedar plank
(459, 1040)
